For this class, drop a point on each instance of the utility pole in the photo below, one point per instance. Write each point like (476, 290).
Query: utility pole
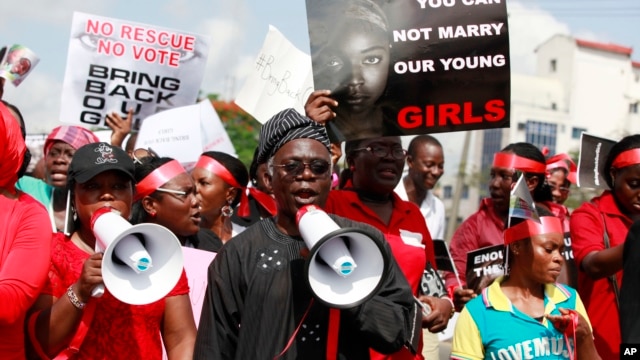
(457, 192)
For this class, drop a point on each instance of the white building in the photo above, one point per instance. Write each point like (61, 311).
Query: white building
(579, 86)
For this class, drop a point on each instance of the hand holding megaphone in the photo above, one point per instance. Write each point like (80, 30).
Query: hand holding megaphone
(141, 264)
(345, 265)
(129, 248)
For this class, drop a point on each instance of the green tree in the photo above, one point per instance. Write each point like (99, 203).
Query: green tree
(242, 128)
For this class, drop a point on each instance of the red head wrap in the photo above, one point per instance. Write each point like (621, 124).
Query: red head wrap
(213, 166)
(529, 228)
(12, 149)
(157, 178)
(513, 161)
(560, 161)
(626, 158)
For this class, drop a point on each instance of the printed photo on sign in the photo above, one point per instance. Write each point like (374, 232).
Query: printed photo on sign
(18, 63)
(411, 67)
(483, 266)
(117, 65)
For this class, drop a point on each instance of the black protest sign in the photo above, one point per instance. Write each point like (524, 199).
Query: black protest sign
(593, 154)
(443, 257)
(483, 266)
(411, 67)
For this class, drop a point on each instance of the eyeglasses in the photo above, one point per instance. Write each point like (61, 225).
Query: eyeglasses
(296, 167)
(562, 189)
(178, 194)
(396, 152)
(142, 153)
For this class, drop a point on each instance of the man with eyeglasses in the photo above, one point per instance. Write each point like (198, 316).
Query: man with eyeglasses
(374, 170)
(258, 304)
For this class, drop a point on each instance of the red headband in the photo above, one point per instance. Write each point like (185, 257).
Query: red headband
(560, 161)
(627, 158)
(213, 166)
(513, 161)
(529, 228)
(157, 178)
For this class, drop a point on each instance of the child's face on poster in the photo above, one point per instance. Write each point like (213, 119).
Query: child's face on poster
(355, 65)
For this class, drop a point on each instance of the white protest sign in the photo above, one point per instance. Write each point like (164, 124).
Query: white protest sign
(185, 132)
(281, 78)
(117, 65)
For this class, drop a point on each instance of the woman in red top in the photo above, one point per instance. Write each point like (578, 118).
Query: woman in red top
(67, 320)
(375, 167)
(608, 215)
(24, 241)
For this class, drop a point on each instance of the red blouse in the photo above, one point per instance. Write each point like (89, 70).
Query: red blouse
(117, 330)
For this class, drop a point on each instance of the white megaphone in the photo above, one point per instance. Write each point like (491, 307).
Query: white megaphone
(346, 265)
(141, 263)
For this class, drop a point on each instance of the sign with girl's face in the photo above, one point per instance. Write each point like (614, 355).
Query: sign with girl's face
(18, 63)
(402, 67)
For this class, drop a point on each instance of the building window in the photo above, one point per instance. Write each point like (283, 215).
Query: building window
(465, 192)
(553, 65)
(633, 108)
(576, 133)
(542, 135)
(554, 106)
(447, 189)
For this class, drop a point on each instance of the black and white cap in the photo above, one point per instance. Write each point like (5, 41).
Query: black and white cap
(285, 126)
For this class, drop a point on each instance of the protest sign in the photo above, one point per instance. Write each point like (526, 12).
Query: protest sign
(196, 263)
(593, 154)
(411, 67)
(281, 78)
(483, 266)
(443, 257)
(18, 63)
(117, 65)
(185, 132)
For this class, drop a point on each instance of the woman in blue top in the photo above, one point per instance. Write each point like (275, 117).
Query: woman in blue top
(526, 314)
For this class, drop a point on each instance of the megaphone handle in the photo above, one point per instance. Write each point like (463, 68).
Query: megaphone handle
(98, 291)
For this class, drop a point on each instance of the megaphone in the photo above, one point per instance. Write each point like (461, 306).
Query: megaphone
(346, 265)
(141, 263)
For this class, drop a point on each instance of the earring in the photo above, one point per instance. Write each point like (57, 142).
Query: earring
(152, 214)
(227, 210)
(352, 168)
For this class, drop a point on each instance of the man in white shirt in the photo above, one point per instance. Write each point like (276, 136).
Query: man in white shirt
(426, 165)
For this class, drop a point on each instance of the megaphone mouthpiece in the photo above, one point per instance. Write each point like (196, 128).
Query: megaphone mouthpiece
(337, 256)
(142, 263)
(334, 254)
(130, 251)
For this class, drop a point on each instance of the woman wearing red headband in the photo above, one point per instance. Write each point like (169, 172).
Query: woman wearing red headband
(598, 231)
(561, 172)
(526, 314)
(166, 195)
(484, 228)
(221, 184)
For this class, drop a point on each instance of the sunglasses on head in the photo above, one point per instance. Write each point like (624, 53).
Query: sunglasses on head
(138, 154)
